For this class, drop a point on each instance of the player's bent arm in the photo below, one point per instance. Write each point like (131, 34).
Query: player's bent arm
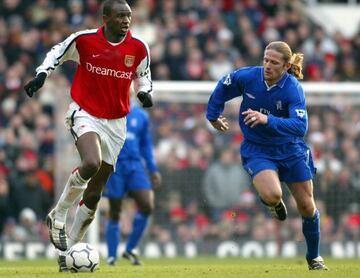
(143, 82)
(287, 126)
(63, 51)
(226, 89)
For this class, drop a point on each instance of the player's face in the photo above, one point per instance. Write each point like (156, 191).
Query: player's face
(274, 66)
(118, 21)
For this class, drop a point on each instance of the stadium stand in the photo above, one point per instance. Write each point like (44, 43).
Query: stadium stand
(189, 40)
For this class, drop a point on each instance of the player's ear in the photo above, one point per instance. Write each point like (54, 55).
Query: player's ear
(287, 66)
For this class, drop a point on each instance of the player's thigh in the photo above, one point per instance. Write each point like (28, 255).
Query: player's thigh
(303, 195)
(264, 176)
(89, 148)
(267, 183)
(83, 128)
(144, 199)
(115, 186)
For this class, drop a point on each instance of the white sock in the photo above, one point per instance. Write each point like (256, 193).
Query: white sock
(74, 187)
(83, 218)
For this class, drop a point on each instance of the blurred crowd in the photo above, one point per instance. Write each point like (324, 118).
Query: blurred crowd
(206, 193)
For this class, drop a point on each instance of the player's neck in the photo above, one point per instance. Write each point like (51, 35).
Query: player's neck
(273, 82)
(113, 38)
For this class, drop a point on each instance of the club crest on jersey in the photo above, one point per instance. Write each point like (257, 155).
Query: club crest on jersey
(129, 60)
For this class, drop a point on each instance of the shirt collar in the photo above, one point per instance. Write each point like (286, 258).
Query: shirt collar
(280, 83)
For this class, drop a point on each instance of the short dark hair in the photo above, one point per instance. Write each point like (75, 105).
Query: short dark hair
(107, 6)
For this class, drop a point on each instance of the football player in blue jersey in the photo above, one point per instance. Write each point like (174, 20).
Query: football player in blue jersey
(273, 119)
(130, 177)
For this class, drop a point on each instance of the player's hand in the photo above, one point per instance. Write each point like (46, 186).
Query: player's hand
(220, 124)
(156, 180)
(145, 99)
(35, 84)
(253, 118)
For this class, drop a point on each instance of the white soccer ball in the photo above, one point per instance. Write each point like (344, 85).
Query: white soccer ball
(82, 257)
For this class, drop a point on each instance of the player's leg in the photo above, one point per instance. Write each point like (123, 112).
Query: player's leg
(299, 180)
(88, 146)
(303, 194)
(266, 182)
(112, 230)
(268, 185)
(114, 191)
(85, 212)
(144, 199)
(113, 133)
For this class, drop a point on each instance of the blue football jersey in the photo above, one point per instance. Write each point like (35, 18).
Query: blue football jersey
(284, 103)
(138, 144)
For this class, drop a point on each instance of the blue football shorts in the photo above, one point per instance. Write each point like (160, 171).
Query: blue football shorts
(128, 177)
(293, 169)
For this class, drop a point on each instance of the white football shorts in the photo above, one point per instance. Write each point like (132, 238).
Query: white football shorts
(112, 132)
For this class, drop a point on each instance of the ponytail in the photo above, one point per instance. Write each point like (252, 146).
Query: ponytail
(296, 65)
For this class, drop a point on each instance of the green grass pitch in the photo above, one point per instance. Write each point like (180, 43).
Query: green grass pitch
(193, 268)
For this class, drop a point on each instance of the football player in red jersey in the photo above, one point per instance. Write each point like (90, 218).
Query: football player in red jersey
(108, 58)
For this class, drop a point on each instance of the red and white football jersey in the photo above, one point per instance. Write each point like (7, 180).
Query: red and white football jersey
(105, 70)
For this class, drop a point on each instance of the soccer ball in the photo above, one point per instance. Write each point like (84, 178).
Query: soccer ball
(82, 257)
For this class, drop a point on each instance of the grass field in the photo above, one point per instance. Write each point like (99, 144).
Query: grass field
(193, 268)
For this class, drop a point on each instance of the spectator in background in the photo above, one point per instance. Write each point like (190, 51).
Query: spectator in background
(223, 183)
(29, 194)
(29, 28)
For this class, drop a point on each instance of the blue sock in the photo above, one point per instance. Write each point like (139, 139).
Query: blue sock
(311, 231)
(112, 235)
(139, 224)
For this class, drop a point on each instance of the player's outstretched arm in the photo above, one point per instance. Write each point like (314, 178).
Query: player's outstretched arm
(35, 84)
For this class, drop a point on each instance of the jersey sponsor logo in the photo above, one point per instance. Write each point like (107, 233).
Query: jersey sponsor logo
(250, 95)
(300, 113)
(264, 111)
(227, 80)
(279, 105)
(129, 60)
(109, 72)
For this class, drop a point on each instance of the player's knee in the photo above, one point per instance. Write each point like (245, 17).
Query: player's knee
(91, 166)
(114, 215)
(146, 208)
(271, 198)
(306, 209)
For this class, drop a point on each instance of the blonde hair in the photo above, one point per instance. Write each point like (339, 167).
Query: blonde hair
(295, 59)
